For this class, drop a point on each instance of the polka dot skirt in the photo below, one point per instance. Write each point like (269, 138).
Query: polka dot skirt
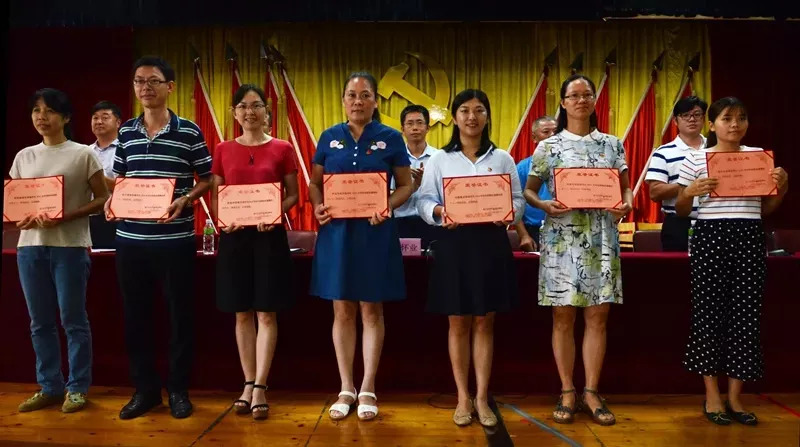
(728, 271)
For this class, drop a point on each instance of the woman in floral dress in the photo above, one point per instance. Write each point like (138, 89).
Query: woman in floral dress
(579, 264)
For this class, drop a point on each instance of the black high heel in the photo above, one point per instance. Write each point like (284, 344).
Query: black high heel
(260, 411)
(243, 409)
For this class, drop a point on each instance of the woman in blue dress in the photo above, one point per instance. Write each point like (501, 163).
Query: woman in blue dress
(357, 262)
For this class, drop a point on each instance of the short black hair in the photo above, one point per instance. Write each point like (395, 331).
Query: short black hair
(687, 104)
(415, 108)
(56, 100)
(107, 105)
(155, 61)
(455, 140)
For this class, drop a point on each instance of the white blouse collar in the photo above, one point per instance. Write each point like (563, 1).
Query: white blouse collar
(593, 135)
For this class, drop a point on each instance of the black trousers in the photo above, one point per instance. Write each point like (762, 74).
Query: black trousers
(675, 233)
(103, 232)
(728, 273)
(533, 232)
(139, 269)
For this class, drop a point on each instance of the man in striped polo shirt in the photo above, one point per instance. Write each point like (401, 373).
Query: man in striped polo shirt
(159, 144)
(662, 174)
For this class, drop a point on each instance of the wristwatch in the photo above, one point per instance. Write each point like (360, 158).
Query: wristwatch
(188, 197)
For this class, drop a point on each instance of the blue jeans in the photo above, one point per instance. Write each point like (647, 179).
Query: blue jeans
(54, 282)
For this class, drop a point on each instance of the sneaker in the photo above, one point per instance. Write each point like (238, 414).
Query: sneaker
(73, 402)
(38, 401)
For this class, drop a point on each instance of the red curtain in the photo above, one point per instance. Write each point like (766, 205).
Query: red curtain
(672, 130)
(302, 215)
(205, 119)
(638, 146)
(523, 147)
(235, 84)
(602, 106)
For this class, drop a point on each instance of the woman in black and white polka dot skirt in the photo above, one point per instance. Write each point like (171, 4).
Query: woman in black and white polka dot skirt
(728, 268)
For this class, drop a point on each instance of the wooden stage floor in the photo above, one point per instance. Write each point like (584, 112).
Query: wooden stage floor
(300, 419)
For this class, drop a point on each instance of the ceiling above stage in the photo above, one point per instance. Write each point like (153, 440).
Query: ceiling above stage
(93, 13)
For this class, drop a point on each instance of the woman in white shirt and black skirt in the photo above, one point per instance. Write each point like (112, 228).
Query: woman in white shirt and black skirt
(473, 274)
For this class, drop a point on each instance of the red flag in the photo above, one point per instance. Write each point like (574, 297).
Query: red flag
(301, 137)
(521, 145)
(273, 97)
(236, 82)
(205, 118)
(638, 141)
(602, 105)
(670, 130)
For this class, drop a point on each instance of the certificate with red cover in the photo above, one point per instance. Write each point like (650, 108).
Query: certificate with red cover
(249, 205)
(742, 173)
(478, 199)
(141, 198)
(33, 196)
(356, 195)
(587, 188)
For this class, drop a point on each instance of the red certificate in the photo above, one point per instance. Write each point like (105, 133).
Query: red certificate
(587, 188)
(141, 198)
(356, 195)
(478, 198)
(249, 205)
(742, 173)
(33, 196)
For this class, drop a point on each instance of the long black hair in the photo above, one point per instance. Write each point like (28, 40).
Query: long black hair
(376, 115)
(455, 140)
(56, 100)
(716, 110)
(562, 113)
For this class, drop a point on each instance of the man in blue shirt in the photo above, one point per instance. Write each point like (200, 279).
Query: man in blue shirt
(528, 227)
(159, 144)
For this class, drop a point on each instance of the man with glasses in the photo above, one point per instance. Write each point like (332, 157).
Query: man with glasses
(662, 174)
(159, 144)
(528, 228)
(106, 119)
(415, 120)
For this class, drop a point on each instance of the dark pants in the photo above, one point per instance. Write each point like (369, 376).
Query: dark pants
(675, 233)
(415, 227)
(533, 232)
(103, 232)
(138, 270)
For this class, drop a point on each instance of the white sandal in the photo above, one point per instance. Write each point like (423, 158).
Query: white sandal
(343, 408)
(362, 408)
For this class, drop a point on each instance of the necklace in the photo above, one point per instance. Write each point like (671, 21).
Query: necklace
(252, 152)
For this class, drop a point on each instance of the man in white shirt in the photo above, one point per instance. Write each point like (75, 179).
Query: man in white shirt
(415, 120)
(663, 172)
(106, 120)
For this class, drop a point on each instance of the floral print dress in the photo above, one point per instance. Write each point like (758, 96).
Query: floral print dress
(579, 264)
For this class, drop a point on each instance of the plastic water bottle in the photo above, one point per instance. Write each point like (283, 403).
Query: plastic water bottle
(691, 232)
(208, 238)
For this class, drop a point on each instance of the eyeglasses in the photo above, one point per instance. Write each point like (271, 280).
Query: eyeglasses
(575, 98)
(688, 116)
(150, 82)
(257, 107)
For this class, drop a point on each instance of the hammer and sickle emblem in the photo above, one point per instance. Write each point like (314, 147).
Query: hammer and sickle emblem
(393, 82)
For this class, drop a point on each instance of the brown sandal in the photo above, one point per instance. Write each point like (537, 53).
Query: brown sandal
(561, 408)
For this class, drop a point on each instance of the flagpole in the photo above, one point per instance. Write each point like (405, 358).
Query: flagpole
(299, 108)
(292, 135)
(527, 109)
(636, 112)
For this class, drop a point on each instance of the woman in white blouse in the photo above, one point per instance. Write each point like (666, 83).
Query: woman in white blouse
(473, 274)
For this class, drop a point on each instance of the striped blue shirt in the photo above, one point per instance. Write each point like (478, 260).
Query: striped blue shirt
(177, 151)
(665, 165)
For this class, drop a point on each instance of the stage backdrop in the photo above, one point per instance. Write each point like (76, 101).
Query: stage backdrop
(504, 60)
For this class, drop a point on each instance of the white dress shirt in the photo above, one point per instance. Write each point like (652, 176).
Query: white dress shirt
(456, 164)
(410, 207)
